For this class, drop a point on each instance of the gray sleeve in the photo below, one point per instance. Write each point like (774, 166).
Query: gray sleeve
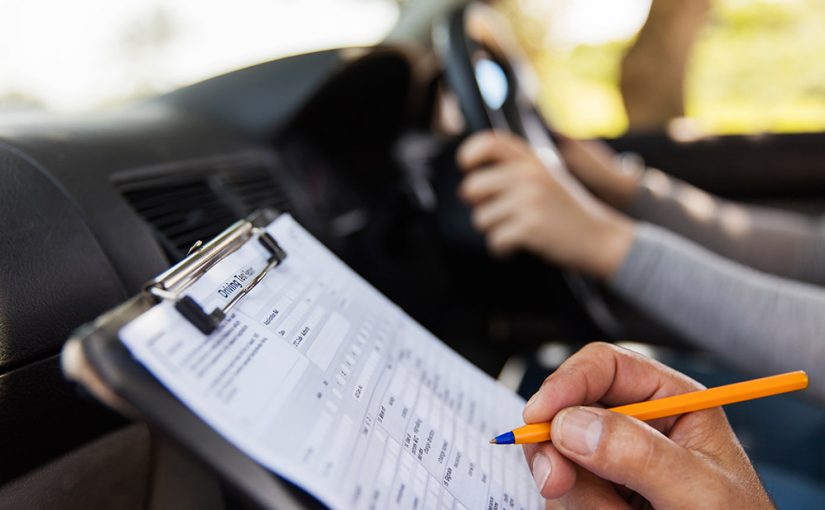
(782, 243)
(761, 322)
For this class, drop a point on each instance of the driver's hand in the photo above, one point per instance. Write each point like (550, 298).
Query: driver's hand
(521, 204)
(601, 459)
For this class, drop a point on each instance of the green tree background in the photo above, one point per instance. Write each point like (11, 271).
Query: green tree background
(759, 66)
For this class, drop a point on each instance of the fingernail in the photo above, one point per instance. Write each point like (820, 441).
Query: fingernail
(578, 430)
(541, 469)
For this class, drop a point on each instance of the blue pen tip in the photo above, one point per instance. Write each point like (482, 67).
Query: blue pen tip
(506, 438)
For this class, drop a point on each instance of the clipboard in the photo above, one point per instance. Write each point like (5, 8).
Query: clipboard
(96, 359)
(368, 402)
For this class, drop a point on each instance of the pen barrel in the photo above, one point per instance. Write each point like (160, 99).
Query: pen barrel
(686, 403)
(715, 397)
(533, 433)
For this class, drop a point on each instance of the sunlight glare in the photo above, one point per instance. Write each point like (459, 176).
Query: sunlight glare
(87, 54)
(591, 22)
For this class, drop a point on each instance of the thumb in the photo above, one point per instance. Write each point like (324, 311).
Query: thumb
(628, 452)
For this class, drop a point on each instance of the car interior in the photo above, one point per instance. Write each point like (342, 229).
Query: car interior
(356, 144)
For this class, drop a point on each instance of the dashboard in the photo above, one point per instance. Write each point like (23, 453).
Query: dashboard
(94, 206)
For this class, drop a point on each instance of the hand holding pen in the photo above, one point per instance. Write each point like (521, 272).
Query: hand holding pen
(603, 459)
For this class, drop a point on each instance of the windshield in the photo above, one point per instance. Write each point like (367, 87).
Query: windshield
(91, 54)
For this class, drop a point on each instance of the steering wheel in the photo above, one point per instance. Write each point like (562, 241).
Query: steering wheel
(494, 86)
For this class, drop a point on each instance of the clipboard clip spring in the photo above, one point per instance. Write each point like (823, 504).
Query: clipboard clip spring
(171, 284)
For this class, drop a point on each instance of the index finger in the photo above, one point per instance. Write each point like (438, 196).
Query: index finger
(490, 147)
(606, 374)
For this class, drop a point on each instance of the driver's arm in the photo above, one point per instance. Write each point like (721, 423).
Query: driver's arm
(760, 321)
(779, 242)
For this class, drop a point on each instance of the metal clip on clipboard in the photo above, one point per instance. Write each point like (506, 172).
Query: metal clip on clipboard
(171, 284)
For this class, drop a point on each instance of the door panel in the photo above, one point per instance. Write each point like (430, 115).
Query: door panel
(781, 170)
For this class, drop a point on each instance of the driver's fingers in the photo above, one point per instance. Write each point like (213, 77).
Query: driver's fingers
(506, 238)
(493, 212)
(491, 147)
(480, 186)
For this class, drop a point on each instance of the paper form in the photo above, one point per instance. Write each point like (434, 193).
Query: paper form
(323, 380)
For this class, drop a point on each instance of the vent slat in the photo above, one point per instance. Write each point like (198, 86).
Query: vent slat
(198, 219)
(187, 239)
(262, 197)
(170, 201)
(179, 210)
(197, 205)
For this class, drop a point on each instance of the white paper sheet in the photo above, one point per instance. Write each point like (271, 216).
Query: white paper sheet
(323, 380)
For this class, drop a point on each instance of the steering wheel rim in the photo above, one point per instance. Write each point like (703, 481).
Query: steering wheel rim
(473, 34)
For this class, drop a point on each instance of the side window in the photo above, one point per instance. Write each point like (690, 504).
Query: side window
(703, 66)
(758, 67)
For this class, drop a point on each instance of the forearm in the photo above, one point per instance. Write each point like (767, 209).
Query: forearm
(759, 321)
(777, 242)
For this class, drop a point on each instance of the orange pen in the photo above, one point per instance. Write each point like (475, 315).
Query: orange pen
(677, 404)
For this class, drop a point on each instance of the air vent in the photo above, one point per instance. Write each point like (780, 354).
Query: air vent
(192, 202)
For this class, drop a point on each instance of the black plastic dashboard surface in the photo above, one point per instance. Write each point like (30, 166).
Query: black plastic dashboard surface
(74, 243)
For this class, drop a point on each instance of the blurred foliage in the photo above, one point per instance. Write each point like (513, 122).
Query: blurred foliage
(757, 67)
